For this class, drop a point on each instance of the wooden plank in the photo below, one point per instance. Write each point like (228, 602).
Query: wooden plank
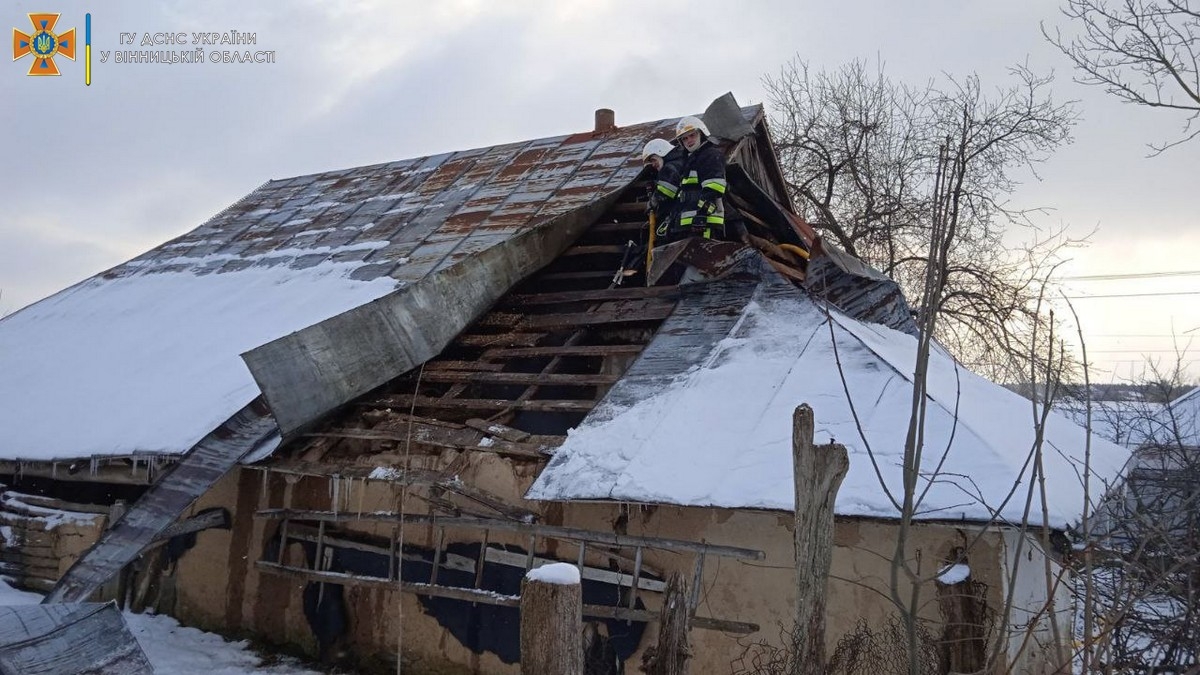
(205, 521)
(787, 271)
(635, 293)
(410, 477)
(745, 212)
(553, 321)
(500, 320)
(574, 379)
(488, 500)
(345, 470)
(396, 421)
(598, 249)
(554, 531)
(497, 429)
(621, 227)
(500, 340)
(45, 551)
(576, 276)
(406, 400)
(460, 439)
(628, 207)
(564, 350)
(489, 597)
(52, 503)
(462, 365)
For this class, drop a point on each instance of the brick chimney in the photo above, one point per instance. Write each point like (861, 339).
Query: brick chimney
(606, 120)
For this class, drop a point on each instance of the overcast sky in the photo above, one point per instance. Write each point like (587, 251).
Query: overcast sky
(95, 175)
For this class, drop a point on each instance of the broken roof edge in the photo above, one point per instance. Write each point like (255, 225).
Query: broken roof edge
(308, 374)
(920, 519)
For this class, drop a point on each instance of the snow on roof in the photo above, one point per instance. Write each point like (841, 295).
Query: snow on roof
(1137, 423)
(149, 363)
(720, 434)
(1182, 418)
(146, 358)
(1126, 423)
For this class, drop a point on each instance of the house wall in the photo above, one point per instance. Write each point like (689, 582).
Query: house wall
(217, 586)
(1031, 630)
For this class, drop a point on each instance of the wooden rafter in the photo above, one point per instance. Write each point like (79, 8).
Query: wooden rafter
(404, 401)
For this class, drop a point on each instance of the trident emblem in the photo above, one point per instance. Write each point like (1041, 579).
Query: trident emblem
(44, 44)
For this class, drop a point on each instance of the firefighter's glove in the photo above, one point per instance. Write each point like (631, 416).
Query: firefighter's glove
(705, 207)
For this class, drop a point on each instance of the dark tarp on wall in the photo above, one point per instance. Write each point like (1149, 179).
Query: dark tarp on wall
(480, 627)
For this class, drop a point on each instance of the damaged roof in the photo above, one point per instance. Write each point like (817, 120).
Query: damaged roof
(310, 290)
(77, 638)
(704, 418)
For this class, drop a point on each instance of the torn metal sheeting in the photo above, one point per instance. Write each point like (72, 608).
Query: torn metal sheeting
(78, 638)
(216, 454)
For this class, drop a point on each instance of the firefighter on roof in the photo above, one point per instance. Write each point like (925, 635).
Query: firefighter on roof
(702, 182)
(664, 161)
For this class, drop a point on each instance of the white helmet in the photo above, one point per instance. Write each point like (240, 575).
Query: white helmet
(657, 146)
(689, 124)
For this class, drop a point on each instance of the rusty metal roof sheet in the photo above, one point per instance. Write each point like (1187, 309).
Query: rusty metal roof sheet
(413, 217)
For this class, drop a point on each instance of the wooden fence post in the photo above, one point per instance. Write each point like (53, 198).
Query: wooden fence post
(819, 471)
(552, 621)
(671, 655)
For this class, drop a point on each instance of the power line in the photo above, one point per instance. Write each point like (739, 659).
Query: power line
(1131, 295)
(1137, 275)
(1132, 351)
(1134, 335)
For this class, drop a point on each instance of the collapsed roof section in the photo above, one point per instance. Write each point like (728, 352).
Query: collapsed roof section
(329, 284)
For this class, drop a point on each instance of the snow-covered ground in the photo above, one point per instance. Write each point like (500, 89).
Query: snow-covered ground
(179, 650)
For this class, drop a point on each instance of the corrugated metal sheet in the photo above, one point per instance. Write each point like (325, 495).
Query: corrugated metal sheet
(76, 639)
(166, 500)
(859, 290)
(410, 218)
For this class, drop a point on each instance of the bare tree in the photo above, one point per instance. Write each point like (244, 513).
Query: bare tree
(1141, 594)
(1143, 52)
(916, 181)
(862, 156)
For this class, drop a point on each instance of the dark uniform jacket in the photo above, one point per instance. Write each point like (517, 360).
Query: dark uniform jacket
(702, 187)
(666, 191)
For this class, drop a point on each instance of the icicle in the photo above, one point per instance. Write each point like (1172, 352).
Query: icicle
(335, 496)
(54, 470)
(362, 491)
(264, 481)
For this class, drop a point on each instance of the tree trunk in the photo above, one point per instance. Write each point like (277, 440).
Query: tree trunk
(551, 628)
(819, 471)
(672, 652)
